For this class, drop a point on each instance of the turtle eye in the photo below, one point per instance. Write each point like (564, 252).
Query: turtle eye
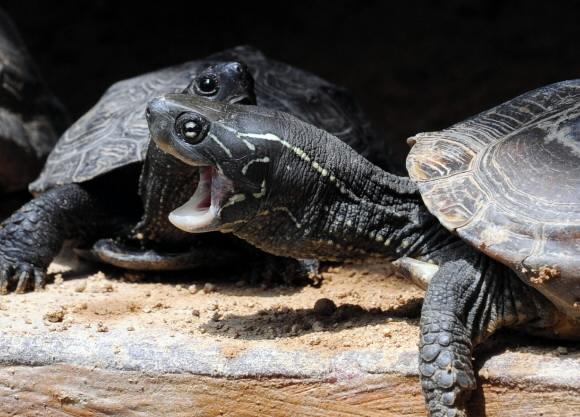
(191, 127)
(207, 85)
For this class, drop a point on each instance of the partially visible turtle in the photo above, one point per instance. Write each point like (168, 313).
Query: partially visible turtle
(506, 181)
(89, 189)
(30, 117)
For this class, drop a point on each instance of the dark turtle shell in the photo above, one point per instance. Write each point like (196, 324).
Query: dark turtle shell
(508, 182)
(114, 132)
(30, 117)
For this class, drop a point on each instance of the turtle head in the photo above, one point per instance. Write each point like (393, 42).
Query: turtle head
(250, 158)
(228, 82)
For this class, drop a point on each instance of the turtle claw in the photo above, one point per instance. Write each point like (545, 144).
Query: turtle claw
(39, 279)
(25, 276)
(4, 275)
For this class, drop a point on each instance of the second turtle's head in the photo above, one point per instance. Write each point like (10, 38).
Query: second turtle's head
(229, 82)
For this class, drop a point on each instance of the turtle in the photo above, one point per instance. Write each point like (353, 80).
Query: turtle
(31, 118)
(479, 218)
(109, 188)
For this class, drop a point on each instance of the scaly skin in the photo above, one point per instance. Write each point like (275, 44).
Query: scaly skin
(355, 210)
(35, 233)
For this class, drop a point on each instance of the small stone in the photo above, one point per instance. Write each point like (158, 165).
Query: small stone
(317, 326)
(28, 321)
(216, 316)
(58, 279)
(209, 287)
(314, 341)
(81, 286)
(101, 328)
(133, 276)
(55, 316)
(79, 307)
(192, 289)
(146, 310)
(195, 313)
(148, 294)
(562, 350)
(178, 287)
(130, 328)
(324, 307)
(213, 307)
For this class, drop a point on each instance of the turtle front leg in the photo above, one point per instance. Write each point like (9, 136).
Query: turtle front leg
(466, 301)
(34, 234)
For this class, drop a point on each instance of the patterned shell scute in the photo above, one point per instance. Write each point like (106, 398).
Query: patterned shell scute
(508, 182)
(114, 132)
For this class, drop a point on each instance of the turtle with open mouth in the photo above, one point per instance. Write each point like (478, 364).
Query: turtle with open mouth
(490, 212)
(109, 188)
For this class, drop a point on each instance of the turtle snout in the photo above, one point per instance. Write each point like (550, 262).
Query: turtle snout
(155, 108)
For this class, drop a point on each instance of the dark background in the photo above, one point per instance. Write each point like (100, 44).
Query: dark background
(413, 65)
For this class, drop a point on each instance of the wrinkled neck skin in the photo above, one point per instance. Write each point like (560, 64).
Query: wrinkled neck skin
(165, 183)
(342, 208)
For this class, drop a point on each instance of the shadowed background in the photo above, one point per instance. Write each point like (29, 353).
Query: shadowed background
(414, 66)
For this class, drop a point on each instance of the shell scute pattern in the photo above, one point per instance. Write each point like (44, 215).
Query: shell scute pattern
(519, 199)
(113, 133)
(439, 157)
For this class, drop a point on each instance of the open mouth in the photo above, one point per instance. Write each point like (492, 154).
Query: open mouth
(201, 212)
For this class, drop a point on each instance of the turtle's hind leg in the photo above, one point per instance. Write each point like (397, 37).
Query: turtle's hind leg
(468, 300)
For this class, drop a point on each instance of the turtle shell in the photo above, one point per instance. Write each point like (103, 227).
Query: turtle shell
(114, 132)
(508, 182)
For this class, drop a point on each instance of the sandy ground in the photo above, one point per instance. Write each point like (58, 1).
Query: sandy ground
(357, 306)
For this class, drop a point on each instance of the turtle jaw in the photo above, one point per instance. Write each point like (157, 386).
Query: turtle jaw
(201, 212)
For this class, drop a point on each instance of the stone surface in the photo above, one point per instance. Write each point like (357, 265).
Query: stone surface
(138, 349)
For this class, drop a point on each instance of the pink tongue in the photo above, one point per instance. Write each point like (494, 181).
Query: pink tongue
(205, 179)
(205, 203)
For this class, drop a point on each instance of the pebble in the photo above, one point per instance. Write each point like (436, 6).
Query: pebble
(209, 287)
(55, 316)
(314, 341)
(324, 307)
(192, 289)
(101, 328)
(317, 326)
(562, 350)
